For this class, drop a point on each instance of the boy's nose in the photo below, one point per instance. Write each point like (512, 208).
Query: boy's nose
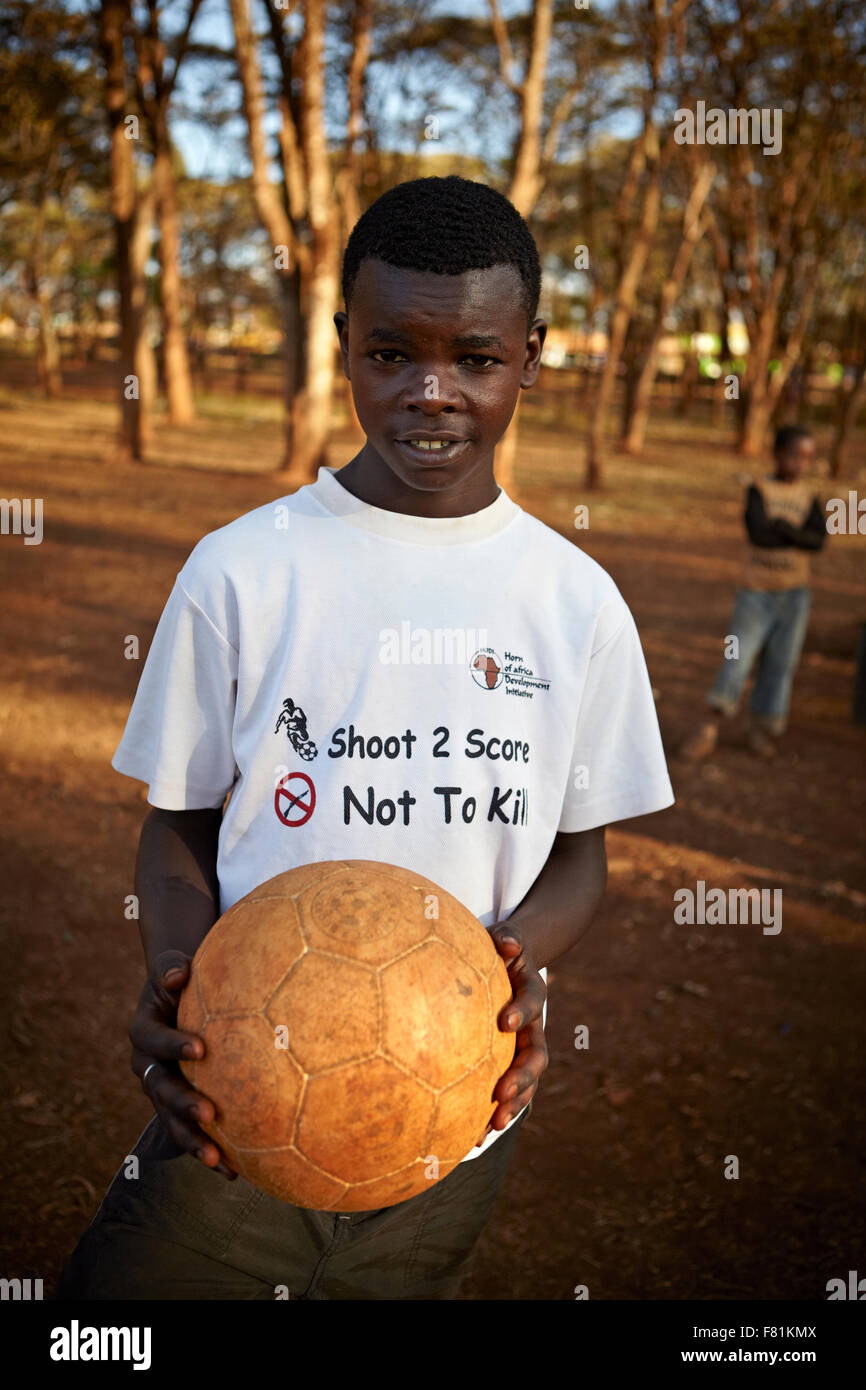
(431, 391)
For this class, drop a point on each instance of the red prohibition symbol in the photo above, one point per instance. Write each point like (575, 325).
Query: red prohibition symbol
(300, 803)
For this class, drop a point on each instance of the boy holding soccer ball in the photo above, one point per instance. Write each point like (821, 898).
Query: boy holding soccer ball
(494, 774)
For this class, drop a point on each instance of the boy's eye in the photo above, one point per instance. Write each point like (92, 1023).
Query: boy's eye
(391, 355)
(386, 354)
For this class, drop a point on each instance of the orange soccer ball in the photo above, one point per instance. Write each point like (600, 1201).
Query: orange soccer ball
(349, 1014)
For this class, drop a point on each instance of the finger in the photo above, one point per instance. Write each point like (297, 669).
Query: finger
(518, 1079)
(507, 946)
(212, 1156)
(187, 1107)
(151, 1035)
(515, 952)
(171, 1093)
(516, 1083)
(170, 970)
(527, 1072)
(155, 1021)
(504, 1114)
(166, 1085)
(508, 1110)
(180, 1107)
(531, 1057)
(526, 1005)
(528, 1039)
(169, 976)
(194, 1140)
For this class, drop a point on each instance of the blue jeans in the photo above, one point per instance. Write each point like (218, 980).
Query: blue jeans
(771, 627)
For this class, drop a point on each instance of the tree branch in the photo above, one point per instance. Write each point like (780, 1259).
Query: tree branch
(503, 43)
(182, 44)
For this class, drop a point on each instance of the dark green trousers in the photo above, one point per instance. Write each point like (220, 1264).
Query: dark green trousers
(180, 1231)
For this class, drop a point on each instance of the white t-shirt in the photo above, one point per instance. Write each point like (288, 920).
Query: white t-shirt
(444, 694)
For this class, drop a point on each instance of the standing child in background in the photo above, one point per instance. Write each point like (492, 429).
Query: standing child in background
(785, 521)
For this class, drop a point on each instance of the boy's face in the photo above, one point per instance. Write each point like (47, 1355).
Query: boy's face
(796, 460)
(437, 355)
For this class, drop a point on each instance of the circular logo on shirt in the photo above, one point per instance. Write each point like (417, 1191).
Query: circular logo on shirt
(486, 668)
(295, 799)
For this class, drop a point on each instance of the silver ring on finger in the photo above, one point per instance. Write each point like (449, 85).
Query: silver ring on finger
(146, 1070)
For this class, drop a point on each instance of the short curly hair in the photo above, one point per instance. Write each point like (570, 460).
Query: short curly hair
(446, 225)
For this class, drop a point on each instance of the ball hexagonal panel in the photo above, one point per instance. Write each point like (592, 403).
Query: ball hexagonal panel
(293, 881)
(468, 1103)
(503, 1045)
(242, 1061)
(348, 915)
(435, 1013)
(234, 980)
(290, 1177)
(362, 1121)
(475, 947)
(394, 1187)
(331, 1009)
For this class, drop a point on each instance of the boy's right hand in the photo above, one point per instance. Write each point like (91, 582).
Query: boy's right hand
(155, 1038)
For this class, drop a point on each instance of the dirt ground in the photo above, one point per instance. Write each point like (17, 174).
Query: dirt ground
(705, 1042)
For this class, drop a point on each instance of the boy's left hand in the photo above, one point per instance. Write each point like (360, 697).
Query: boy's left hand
(516, 1088)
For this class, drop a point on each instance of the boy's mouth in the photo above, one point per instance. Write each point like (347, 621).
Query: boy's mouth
(432, 448)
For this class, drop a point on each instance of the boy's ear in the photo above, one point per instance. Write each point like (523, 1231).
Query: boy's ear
(341, 322)
(532, 361)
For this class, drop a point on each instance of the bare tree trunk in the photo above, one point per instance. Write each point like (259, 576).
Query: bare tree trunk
(766, 390)
(730, 296)
(802, 404)
(799, 195)
(47, 349)
(181, 404)
(631, 354)
(645, 164)
(145, 361)
(756, 414)
(155, 87)
(526, 183)
(48, 356)
(114, 14)
(83, 339)
(626, 295)
(688, 384)
(312, 408)
(289, 254)
(349, 179)
(289, 289)
(635, 430)
(848, 408)
(526, 177)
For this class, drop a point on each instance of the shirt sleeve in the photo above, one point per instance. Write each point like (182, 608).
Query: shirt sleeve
(178, 737)
(762, 530)
(618, 767)
(812, 534)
